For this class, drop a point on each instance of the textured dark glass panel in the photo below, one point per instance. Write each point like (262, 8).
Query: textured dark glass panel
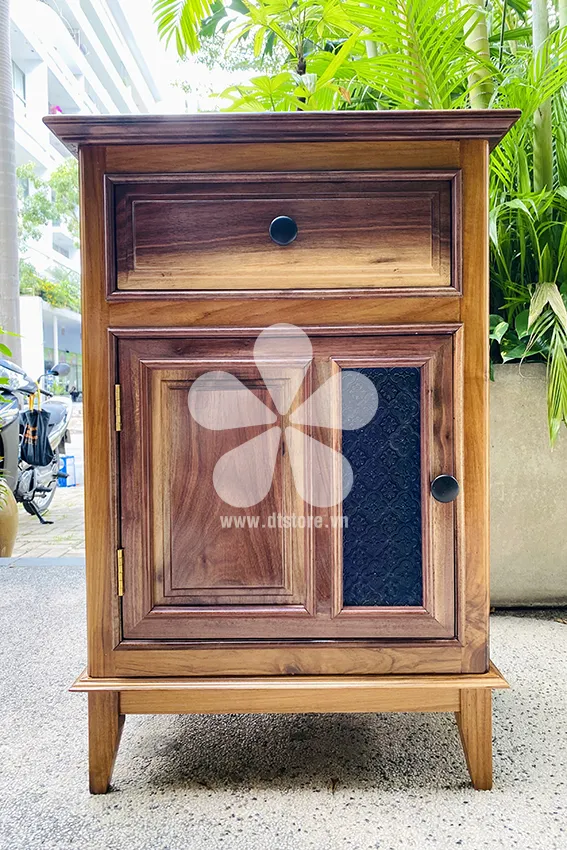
(382, 558)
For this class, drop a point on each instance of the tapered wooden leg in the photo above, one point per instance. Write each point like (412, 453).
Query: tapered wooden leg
(475, 725)
(105, 728)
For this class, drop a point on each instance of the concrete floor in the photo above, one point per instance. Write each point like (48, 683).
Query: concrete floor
(365, 782)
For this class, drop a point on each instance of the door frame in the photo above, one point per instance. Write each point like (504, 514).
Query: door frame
(437, 618)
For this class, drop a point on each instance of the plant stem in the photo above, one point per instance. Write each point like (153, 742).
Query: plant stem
(480, 82)
(543, 139)
(372, 47)
(502, 31)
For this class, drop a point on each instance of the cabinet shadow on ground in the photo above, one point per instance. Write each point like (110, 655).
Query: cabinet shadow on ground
(323, 752)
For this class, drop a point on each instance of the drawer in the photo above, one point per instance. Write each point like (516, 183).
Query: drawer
(365, 231)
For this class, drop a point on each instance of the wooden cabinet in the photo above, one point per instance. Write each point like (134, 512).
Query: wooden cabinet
(286, 355)
(380, 564)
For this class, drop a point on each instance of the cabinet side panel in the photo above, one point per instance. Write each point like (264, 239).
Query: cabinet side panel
(473, 533)
(98, 379)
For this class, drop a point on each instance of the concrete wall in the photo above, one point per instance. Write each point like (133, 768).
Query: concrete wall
(528, 492)
(31, 329)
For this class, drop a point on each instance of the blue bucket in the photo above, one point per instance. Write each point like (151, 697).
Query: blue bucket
(67, 467)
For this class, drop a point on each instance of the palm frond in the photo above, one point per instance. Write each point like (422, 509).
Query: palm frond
(181, 20)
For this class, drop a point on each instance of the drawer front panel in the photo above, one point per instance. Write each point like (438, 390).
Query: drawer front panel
(206, 233)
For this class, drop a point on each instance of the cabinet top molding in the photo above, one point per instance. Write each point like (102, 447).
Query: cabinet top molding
(215, 128)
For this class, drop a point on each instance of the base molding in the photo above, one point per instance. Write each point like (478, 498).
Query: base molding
(469, 696)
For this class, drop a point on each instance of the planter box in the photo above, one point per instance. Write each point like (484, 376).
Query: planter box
(528, 492)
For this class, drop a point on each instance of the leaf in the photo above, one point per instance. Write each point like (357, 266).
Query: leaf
(181, 20)
(498, 328)
(259, 41)
(522, 324)
(239, 6)
(338, 60)
(547, 293)
(5, 350)
(519, 352)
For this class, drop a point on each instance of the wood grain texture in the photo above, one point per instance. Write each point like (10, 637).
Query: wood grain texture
(293, 156)
(175, 312)
(492, 679)
(105, 729)
(474, 719)
(291, 701)
(379, 126)
(286, 657)
(211, 232)
(186, 577)
(473, 529)
(101, 491)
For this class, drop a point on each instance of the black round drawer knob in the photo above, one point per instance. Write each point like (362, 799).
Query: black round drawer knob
(283, 230)
(445, 488)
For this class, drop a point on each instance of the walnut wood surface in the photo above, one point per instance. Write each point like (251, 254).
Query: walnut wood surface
(469, 696)
(474, 719)
(185, 577)
(357, 230)
(398, 126)
(472, 469)
(106, 720)
(293, 156)
(361, 663)
(108, 655)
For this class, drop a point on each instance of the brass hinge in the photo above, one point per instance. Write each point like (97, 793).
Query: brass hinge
(117, 407)
(120, 571)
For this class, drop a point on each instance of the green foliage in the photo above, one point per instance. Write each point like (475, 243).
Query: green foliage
(431, 54)
(529, 288)
(47, 200)
(61, 289)
(181, 20)
(39, 203)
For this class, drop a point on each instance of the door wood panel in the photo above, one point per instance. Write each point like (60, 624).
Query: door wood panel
(183, 560)
(186, 577)
(202, 232)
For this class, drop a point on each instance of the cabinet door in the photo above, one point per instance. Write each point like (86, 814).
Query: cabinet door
(197, 566)
(235, 516)
(391, 553)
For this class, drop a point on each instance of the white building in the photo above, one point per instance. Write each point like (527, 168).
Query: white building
(68, 56)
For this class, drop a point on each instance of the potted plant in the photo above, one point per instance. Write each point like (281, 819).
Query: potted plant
(427, 54)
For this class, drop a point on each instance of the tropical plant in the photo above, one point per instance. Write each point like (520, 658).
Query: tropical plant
(434, 54)
(529, 288)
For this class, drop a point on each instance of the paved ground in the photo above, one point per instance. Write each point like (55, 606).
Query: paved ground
(367, 782)
(66, 537)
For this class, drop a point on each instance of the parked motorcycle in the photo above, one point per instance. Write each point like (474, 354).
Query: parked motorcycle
(33, 486)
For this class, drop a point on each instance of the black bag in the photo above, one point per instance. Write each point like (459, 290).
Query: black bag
(35, 448)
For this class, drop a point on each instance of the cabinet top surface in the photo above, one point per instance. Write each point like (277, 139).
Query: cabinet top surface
(215, 128)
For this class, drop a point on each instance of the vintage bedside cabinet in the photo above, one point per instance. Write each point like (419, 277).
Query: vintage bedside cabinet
(207, 239)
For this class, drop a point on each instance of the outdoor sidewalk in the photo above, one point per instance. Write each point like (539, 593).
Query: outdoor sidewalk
(270, 782)
(66, 537)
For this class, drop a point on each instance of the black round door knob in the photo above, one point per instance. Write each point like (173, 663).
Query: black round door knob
(283, 230)
(445, 488)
